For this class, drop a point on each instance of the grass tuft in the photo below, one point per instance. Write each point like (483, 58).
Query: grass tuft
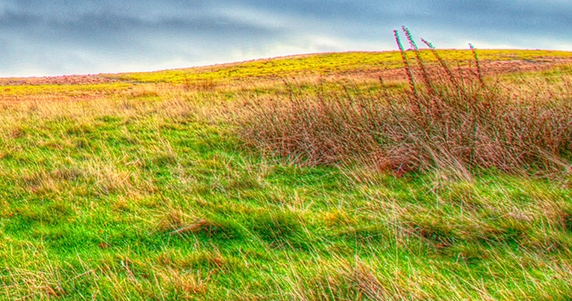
(448, 120)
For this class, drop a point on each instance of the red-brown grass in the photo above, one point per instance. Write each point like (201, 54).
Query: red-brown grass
(449, 118)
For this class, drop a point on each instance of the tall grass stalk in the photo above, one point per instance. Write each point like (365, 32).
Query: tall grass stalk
(449, 119)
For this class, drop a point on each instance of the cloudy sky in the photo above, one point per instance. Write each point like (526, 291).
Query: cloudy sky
(55, 37)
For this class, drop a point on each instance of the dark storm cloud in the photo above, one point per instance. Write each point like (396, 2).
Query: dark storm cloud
(79, 36)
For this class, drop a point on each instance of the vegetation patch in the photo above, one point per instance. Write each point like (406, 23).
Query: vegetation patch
(447, 119)
(297, 178)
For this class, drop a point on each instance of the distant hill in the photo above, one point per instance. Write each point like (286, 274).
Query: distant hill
(387, 64)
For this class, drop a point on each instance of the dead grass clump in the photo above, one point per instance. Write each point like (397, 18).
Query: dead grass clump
(342, 280)
(447, 119)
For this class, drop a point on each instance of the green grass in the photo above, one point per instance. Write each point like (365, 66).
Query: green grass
(149, 192)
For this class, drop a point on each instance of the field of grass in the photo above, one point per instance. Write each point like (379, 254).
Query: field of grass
(175, 185)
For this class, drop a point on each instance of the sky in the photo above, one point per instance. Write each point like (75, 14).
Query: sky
(64, 37)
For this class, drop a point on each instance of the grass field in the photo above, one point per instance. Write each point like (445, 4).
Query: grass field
(285, 179)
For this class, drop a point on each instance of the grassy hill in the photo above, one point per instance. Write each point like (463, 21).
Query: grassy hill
(314, 177)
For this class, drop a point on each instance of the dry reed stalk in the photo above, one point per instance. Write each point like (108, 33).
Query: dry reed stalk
(452, 120)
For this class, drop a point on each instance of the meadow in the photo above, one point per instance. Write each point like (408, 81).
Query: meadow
(340, 176)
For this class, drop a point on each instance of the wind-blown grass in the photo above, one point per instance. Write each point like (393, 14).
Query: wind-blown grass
(148, 192)
(449, 119)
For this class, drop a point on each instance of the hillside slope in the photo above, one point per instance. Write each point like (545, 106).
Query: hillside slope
(146, 186)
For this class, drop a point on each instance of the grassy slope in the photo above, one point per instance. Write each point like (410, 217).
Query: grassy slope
(143, 191)
(325, 64)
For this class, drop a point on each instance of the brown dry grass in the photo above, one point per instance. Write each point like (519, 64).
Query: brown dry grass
(454, 118)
